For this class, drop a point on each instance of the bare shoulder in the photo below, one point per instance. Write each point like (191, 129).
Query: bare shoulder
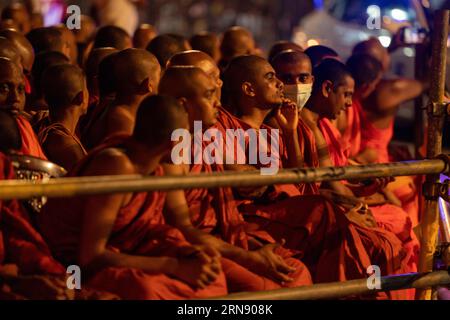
(111, 161)
(175, 169)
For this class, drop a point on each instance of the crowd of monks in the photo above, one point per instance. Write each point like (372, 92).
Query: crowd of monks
(102, 102)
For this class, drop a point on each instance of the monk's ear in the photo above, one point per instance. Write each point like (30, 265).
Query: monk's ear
(146, 87)
(79, 99)
(183, 102)
(247, 89)
(327, 86)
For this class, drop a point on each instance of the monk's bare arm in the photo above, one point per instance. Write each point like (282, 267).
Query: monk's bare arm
(177, 214)
(63, 151)
(391, 93)
(100, 213)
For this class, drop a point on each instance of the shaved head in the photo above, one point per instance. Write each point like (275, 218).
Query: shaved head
(181, 81)
(22, 45)
(9, 50)
(8, 24)
(19, 14)
(207, 42)
(157, 118)
(293, 67)
(195, 89)
(12, 79)
(283, 46)
(112, 36)
(319, 53)
(192, 58)
(250, 82)
(164, 47)
(61, 85)
(374, 48)
(133, 66)
(240, 70)
(10, 137)
(43, 61)
(237, 41)
(92, 67)
(48, 39)
(201, 60)
(143, 35)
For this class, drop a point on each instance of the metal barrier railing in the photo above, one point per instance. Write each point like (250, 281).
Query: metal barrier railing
(69, 187)
(337, 290)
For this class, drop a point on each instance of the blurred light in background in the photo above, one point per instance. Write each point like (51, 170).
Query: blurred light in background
(399, 14)
(385, 41)
(312, 42)
(409, 52)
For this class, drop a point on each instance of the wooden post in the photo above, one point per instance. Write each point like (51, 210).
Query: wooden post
(436, 118)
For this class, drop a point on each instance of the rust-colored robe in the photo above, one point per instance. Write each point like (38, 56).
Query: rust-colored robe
(30, 143)
(139, 229)
(60, 157)
(332, 247)
(214, 211)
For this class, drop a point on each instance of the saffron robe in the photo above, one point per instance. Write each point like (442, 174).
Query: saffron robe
(361, 134)
(388, 216)
(139, 229)
(30, 143)
(332, 247)
(214, 211)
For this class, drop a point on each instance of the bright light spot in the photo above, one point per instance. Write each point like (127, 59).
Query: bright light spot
(399, 14)
(312, 42)
(385, 41)
(409, 52)
(373, 10)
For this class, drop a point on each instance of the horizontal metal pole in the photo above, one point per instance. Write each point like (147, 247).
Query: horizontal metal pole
(336, 290)
(69, 187)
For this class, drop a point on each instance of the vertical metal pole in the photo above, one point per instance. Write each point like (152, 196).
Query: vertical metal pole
(430, 223)
(419, 72)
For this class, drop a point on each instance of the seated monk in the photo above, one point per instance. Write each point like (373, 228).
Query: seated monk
(27, 269)
(12, 98)
(120, 241)
(332, 93)
(208, 43)
(203, 214)
(112, 36)
(377, 115)
(137, 74)
(66, 94)
(252, 87)
(294, 69)
(69, 37)
(143, 35)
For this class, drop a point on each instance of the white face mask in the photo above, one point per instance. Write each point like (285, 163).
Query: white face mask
(298, 93)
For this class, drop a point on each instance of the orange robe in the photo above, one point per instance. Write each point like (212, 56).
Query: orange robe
(332, 247)
(388, 216)
(20, 243)
(139, 229)
(30, 143)
(59, 129)
(361, 134)
(214, 211)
